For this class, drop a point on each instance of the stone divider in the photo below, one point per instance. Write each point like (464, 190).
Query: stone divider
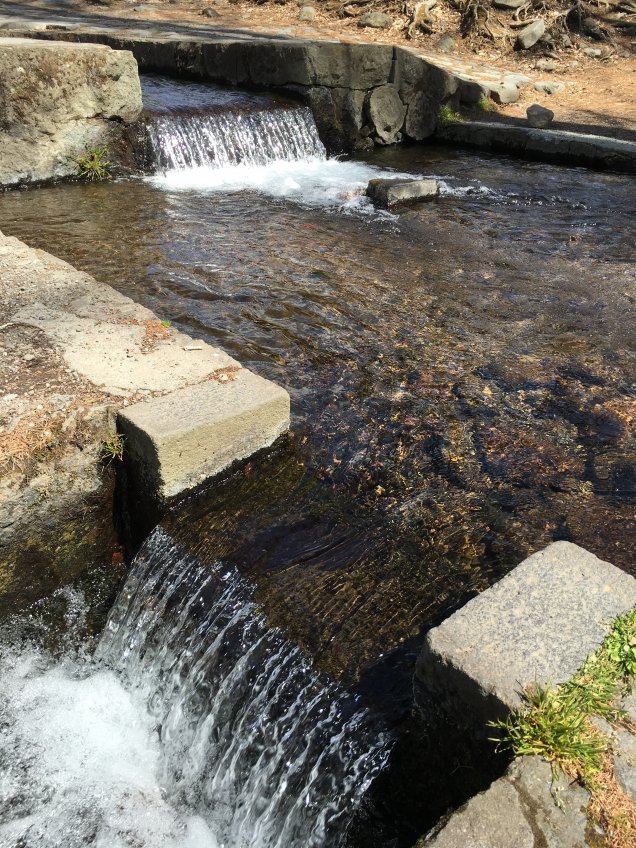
(187, 409)
(550, 145)
(359, 93)
(535, 627)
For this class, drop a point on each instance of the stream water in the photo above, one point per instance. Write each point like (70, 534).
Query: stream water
(462, 382)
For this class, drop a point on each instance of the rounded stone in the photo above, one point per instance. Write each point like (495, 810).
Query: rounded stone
(386, 112)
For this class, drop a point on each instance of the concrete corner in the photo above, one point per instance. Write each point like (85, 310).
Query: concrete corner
(535, 627)
(181, 439)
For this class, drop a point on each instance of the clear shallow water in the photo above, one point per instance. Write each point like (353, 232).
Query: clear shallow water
(462, 373)
(462, 380)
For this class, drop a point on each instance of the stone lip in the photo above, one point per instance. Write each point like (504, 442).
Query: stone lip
(547, 144)
(184, 438)
(387, 193)
(58, 100)
(536, 626)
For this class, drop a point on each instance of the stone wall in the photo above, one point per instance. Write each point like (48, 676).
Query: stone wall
(57, 100)
(360, 94)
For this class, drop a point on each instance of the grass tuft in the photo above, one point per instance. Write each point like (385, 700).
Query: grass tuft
(113, 448)
(485, 104)
(448, 115)
(94, 166)
(556, 724)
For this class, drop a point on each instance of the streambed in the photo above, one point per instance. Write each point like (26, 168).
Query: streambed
(461, 373)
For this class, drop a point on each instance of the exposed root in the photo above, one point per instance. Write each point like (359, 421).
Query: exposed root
(420, 18)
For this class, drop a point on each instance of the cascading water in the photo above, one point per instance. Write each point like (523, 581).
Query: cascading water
(212, 139)
(195, 725)
(251, 139)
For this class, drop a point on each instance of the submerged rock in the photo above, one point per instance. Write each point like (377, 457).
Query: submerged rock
(386, 193)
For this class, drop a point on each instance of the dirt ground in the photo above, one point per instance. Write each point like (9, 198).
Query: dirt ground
(599, 94)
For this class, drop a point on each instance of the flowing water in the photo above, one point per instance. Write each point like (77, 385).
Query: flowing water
(462, 382)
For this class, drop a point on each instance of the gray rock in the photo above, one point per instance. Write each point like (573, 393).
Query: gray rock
(387, 193)
(386, 112)
(538, 116)
(378, 20)
(592, 52)
(530, 34)
(423, 88)
(548, 87)
(506, 92)
(446, 44)
(493, 819)
(307, 13)
(517, 810)
(91, 91)
(516, 79)
(545, 64)
(210, 13)
(535, 627)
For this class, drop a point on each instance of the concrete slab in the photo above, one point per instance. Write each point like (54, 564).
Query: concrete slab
(535, 627)
(183, 438)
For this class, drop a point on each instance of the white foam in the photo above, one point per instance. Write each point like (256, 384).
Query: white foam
(81, 759)
(318, 182)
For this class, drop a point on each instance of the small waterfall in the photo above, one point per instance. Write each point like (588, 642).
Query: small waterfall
(231, 138)
(252, 741)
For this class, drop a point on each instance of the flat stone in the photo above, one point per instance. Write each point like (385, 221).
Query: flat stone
(546, 87)
(378, 20)
(508, 4)
(183, 438)
(530, 34)
(592, 52)
(539, 116)
(492, 819)
(535, 627)
(387, 193)
(545, 65)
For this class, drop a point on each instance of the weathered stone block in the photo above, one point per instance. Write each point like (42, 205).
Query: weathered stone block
(387, 193)
(181, 439)
(535, 627)
(58, 98)
(386, 112)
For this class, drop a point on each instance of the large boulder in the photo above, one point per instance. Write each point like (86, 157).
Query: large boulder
(56, 100)
(386, 112)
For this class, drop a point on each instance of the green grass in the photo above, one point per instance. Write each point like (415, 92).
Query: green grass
(485, 104)
(166, 323)
(555, 723)
(113, 448)
(448, 115)
(94, 166)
